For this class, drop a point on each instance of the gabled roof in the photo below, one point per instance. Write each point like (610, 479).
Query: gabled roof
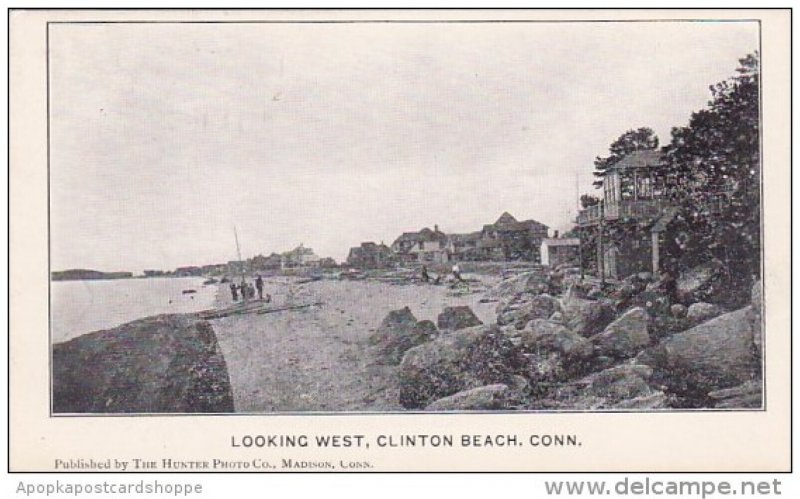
(507, 222)
(643, 158)
(425, 235)
(506, 219)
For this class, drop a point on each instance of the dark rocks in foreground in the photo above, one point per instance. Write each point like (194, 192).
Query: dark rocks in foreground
(458, 317)
(398, 332)
(623, 346)
(457, 361)
(161, 364)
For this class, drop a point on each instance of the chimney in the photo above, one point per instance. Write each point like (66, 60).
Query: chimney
(436, 228)
(555, 235)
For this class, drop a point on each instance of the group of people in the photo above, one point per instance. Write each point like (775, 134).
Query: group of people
(427, 278)
(247, 291)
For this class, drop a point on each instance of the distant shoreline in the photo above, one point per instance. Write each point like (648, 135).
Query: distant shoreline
(87, 275)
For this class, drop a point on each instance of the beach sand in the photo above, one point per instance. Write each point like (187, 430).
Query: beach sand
(319, 358)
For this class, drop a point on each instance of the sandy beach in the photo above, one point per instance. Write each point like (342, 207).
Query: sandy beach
(319, 358)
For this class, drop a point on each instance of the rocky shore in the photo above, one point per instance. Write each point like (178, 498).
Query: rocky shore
(538, 340)
(562, 344)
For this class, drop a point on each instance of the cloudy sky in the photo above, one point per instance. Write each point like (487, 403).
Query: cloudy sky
(165, 136)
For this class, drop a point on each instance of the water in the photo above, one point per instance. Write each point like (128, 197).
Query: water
(80, 307)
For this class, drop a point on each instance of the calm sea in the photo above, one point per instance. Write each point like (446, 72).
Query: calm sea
(80, 307)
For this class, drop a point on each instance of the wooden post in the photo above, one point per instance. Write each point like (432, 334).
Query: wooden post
(654, 251)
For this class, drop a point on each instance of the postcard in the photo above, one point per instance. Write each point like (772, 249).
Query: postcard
(399, 240)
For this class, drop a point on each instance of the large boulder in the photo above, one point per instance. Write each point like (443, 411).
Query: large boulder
(701, 312)
(748, 395)
(621, 387)
(544, 335)
(398, 332)
(482, 398)
(625, 337)
(458, 317)
(166, 363)
(539, 307)
(457, 361)
(711, 356)
(693, 284)
(509, 289)
(586, 317)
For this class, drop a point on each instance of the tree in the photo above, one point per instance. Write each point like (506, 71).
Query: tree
(713, 167)
(588, 200)
(628, 142)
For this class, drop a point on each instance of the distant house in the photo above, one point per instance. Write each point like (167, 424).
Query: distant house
(557, 251)
(509, 239)
(190, 271)
(466, 247)
(300, 257)
(370, 256)
(425, 246)
(261, 263)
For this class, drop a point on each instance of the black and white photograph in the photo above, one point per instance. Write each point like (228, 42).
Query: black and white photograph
(389, 217)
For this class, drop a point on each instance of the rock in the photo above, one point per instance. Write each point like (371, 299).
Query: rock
(487, 397)
(541, 334)
(656, 400)
(626, 291)
(457, 361)
(625, 337)
(624, 386)
(398, 332)
(701, 312)
(539, 307)
(654, 301)
(748, 395)
(692, 284)
(586, 317)
(166, 363)
(754, 316)
(678, 311)
(535, 282)
(459, 317)
(595, 294)
(711, 356)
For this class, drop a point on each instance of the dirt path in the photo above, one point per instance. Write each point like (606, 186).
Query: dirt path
(319, 359)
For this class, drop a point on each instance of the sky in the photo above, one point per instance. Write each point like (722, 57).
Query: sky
(165, 136)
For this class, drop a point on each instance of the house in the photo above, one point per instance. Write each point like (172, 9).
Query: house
(509, 239)
(189, 271)
(425, 246)
(370, 256)
(634, 196)
(557, 251)
(261, 263)
(300, 257)
(465, 247)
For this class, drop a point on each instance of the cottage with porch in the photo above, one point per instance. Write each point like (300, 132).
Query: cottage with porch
(634, 202)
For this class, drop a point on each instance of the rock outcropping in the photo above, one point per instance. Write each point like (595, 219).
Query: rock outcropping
(161, 364)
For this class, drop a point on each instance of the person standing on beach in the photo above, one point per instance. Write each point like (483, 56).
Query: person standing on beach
(425, 276)
(234, 294)
(457, 273)
(260, 287)
(243, 290)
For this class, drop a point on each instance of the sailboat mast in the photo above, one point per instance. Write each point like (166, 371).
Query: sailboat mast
(238, 250)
